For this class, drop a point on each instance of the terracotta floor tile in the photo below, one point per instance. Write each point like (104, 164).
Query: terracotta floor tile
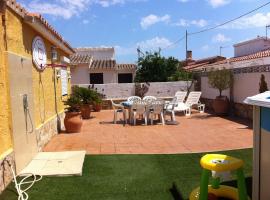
(198, 133)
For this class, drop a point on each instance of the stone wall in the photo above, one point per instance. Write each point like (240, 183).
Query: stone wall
(5, 171)
(239, 109)
(243, 110)
(48, 130)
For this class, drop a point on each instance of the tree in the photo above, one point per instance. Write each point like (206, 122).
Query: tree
(220, 79)
(154, 68)
(263, 85)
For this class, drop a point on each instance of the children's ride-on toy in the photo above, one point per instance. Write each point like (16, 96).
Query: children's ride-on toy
(218, 165)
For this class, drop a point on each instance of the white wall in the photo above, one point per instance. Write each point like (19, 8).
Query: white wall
(210, 93)
(124, 90)
(245, 85)
(251, 47)
(80, 75)
(167, 89)
(108, 76)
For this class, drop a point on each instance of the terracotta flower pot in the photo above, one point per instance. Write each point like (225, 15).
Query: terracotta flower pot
(73, 122)
(221, 105)
(86, 111)
(97, 107)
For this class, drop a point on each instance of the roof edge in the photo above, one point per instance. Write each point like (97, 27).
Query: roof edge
(30, 17)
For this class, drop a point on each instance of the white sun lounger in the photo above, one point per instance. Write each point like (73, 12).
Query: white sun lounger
(193, 99)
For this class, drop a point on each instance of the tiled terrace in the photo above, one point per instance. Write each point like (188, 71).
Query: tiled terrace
(199, 133)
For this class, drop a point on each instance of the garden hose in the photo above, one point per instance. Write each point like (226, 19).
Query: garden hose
(22, 193)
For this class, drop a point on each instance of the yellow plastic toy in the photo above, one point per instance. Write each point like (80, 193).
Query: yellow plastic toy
(219, 163)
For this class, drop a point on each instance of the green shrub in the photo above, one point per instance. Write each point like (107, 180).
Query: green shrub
(85, 95)
(263, 84)
(220, 79)
(73, 104)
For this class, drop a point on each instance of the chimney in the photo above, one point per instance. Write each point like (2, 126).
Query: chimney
(189, 55)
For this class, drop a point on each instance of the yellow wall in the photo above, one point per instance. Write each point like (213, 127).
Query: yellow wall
(5, 127)
(19, 41)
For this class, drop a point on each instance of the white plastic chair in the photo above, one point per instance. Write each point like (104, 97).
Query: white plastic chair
(134, 98)
(193, 99)
(138, 108)
(169, 108)
(149, 98)
(156, 108)
(118, 108)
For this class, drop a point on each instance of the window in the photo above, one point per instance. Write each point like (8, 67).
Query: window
(125, 78)
(96, 78)
(64, 81)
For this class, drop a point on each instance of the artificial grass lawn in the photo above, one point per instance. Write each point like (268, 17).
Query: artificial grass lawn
(119, 177)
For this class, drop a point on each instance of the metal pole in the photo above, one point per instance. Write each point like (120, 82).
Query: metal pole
(186, 46)
(187, 59)
(266, 31)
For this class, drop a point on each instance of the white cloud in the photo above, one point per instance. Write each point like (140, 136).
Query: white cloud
(60, 8)
(154, 43)
(146, 45)
(125, 50)
(153, 19)
(69, 8)
(185, 23)
(200, 22)
(107, 3)
(218, 3)
(221, 38)
(85, 21)
(254, 21)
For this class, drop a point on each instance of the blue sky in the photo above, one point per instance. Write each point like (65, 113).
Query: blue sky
(150, 24)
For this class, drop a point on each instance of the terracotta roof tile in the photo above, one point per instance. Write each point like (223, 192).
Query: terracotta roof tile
(103, 64)
(261, 54)
(126, 67)
(76, 59)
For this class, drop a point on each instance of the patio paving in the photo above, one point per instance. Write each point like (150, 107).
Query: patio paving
(198, 133)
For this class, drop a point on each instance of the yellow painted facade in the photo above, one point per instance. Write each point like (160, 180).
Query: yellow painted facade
(5, 121)
(19, 37)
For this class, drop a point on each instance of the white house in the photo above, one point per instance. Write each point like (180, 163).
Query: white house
(251, 46)
(98, 66)
(251, 60)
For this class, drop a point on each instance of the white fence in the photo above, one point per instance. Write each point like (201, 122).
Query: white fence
(245, 85)
(124, 90)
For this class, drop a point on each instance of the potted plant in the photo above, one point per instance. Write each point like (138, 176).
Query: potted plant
(86, 97)
(97, 101)
(73, 119)
(221, 80)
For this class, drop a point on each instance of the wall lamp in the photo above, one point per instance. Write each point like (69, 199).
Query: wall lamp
(54, 54)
